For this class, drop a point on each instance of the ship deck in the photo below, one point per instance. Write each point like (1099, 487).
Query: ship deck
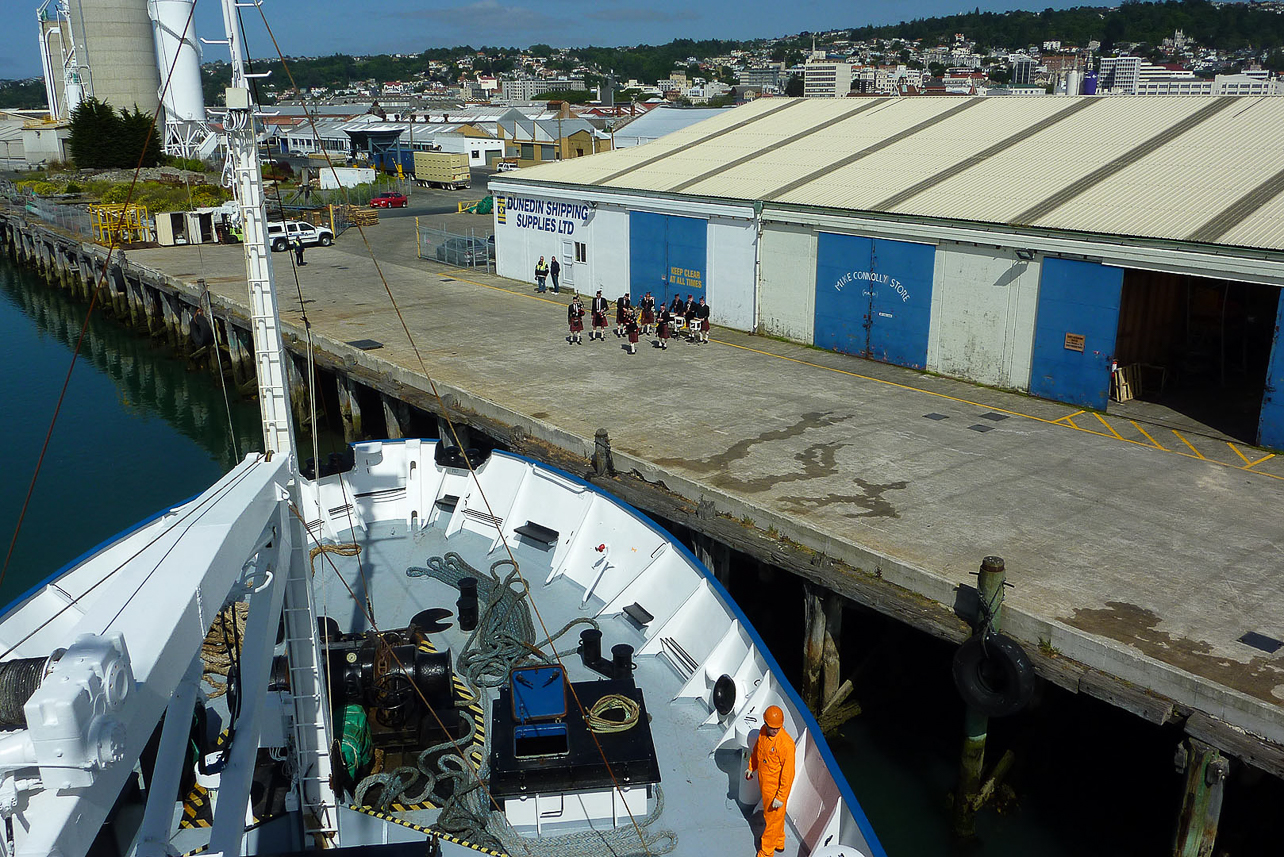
(699, 789)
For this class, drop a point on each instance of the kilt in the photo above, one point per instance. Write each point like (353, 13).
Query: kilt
(577, 326)
(704, 325)
(664, 331)
(619, 315)
(599, 319)
(633, 335)
(648, 316)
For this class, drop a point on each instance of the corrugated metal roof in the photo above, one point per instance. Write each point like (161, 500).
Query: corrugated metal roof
(1183, 168)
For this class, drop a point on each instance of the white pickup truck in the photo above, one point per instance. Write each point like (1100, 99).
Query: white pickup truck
(282, 233)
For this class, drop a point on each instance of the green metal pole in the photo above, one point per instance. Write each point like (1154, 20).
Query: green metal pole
(975, 724)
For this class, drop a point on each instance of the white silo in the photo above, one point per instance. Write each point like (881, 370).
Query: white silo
(115, 52)
(178, 56)
(177, 48)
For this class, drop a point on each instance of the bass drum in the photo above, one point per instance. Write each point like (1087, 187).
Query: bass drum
(993, 674)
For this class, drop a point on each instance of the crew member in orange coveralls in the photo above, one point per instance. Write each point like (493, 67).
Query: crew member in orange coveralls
(773, 759)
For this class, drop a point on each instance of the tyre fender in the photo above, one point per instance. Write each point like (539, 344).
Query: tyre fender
(993, 674)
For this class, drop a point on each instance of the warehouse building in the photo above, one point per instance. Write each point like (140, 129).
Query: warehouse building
(1041, 244)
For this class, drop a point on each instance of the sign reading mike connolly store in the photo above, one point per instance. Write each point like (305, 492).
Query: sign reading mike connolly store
(874, 297)
(545, 215)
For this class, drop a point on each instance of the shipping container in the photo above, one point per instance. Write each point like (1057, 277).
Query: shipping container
(442, 169)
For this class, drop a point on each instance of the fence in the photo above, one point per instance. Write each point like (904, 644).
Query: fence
(73, 218)
(464, 249)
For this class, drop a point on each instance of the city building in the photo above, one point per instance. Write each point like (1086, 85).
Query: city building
(823, 79)
(922, 232)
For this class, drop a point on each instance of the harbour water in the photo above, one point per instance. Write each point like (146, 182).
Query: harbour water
(139, 431)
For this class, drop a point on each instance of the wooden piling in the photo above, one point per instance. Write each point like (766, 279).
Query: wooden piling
(1201, 802)
(349, 409)
(823, 619)
(396, 417)
(989, 615)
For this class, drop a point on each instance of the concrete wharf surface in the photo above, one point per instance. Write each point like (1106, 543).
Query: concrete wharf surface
(1140, 551)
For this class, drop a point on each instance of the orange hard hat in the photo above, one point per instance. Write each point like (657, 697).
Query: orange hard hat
(774, 717)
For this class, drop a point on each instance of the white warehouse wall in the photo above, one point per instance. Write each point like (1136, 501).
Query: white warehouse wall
(787, 292)
(546, 225)
(608, 252)
(730, 274)
(983, 310)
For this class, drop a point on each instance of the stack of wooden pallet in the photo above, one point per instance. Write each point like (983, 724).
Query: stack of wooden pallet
(359, 216)
(1126, 383)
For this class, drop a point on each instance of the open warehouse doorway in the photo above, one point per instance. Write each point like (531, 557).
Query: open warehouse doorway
(1197, 346)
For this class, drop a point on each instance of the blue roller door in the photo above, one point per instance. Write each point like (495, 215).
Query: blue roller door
(1270, 427)
(1078, 309)
(668, 255)
(874, 297)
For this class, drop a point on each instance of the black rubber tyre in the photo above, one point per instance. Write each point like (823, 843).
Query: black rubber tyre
(325, 240)
(993, 675)
(279, 244)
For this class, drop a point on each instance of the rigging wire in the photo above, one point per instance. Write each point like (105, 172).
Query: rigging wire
(209, 316)
(454, 433)
(93, 300)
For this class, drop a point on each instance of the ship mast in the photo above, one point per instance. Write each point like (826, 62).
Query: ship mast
(310, 728)
(247, 182)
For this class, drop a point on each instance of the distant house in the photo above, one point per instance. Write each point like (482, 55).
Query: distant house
(537, 141)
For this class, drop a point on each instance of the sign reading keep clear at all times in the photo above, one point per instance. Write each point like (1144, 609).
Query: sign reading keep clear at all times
(543, 215)
(685, 278)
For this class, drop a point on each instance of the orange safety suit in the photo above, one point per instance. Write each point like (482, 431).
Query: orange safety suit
(773, 759)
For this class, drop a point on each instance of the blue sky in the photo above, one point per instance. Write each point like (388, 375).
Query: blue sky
(318, 27)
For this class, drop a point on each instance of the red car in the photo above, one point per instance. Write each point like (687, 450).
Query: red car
(390, 199)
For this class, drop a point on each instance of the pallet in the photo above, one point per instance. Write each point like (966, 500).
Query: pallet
(1125, 383)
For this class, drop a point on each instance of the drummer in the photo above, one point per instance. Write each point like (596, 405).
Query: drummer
(664, 326)
(647, 305)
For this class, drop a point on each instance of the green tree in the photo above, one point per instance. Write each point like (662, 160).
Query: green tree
(794, 88)
(94, 137)
(101, 138)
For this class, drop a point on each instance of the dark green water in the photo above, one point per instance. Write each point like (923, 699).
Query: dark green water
(138, 432)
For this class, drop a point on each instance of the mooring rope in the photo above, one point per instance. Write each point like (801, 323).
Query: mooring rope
(505, 635)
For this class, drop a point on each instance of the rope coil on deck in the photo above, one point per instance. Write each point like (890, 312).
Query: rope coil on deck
(601, 724)
(505, 635)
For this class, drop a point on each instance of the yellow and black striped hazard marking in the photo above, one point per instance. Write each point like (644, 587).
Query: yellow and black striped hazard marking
(425, 830)
(198, 809)
(196, 851)
(464, 693)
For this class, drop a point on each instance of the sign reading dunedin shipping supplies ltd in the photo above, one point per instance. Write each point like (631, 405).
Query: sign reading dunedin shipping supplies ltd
(545, 215)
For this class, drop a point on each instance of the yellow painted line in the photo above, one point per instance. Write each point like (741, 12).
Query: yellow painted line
(1138, 427)
(1265, 457)
(1235, 449)
(1067, 417)
(1107, 425)
(1198, 454)
(1071, 423)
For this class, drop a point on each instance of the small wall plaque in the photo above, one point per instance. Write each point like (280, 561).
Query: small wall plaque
(1074, 342)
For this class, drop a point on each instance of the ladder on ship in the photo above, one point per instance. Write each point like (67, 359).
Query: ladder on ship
(310, 729)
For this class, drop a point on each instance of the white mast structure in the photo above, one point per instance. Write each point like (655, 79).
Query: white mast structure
(63, 87)
(311, 727)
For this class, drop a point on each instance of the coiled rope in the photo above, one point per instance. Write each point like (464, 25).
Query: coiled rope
(505, 635)
(228, 625)
(613, 702)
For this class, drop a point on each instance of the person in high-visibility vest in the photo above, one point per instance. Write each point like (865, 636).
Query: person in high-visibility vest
(773, 761)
